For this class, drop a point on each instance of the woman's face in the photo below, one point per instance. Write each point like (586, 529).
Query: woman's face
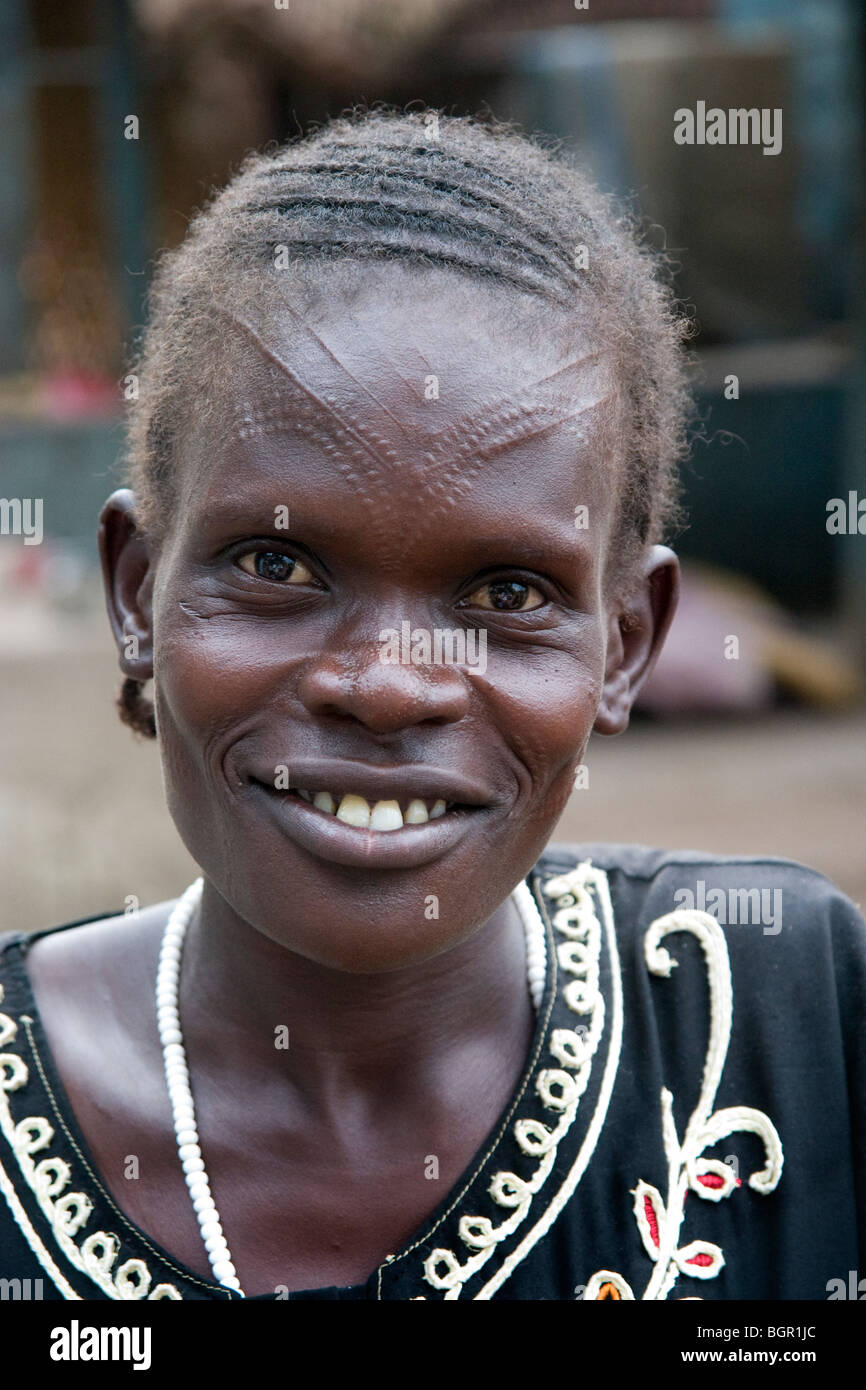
(372, 488)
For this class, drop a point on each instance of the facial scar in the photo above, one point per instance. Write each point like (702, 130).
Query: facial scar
(481, 424)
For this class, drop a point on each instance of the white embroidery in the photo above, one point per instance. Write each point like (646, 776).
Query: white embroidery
(575, 882)
(659, 1221)
(32, 1238)
(559, 1088)
(66, 1212)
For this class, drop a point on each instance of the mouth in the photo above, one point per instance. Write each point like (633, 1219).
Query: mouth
(386, 818)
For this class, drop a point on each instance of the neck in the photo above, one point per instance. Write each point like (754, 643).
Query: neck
(350, 1032)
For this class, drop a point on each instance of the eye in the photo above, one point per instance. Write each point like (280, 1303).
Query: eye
(276, 566)
(507, 596)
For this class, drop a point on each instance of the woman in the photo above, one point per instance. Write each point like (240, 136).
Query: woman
(411, 403)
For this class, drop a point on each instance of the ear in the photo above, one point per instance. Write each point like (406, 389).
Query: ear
(127, 575)
(636, 634)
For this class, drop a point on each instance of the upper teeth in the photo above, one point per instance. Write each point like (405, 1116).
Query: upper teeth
(384, 815)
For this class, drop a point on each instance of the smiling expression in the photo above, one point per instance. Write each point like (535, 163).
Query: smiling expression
(328, 492)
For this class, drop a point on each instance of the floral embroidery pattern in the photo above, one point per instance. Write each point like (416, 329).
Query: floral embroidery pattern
(49, 1178)
(659, 1219)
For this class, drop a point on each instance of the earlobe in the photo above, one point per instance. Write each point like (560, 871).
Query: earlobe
(127, 576)
(636, 635)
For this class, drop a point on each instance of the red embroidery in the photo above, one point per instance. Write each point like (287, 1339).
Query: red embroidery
(715, 1180)
(651, 1220)
(700, 1260)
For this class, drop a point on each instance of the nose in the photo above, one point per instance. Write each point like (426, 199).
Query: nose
(382, 694)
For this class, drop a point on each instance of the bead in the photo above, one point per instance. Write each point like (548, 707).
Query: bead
(177, 1075)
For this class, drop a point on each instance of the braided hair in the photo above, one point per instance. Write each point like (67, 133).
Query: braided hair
(425, 190)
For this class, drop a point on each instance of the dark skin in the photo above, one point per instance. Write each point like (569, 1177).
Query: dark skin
(408, 1031)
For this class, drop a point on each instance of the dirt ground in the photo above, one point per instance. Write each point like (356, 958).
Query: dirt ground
(83, 825)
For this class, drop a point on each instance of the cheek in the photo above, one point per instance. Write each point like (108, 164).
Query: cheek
(201, 670)
(211, 664)
(207, 678)
(187, 695)
(546, 704)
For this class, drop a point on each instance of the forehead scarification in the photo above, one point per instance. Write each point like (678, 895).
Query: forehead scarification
(315, 394)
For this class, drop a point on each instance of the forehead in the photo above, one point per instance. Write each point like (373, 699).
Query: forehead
(417, 390)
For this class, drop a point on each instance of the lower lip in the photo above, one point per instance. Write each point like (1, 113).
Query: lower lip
(326, 837)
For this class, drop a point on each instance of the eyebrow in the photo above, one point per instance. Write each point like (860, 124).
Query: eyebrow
(554, 546)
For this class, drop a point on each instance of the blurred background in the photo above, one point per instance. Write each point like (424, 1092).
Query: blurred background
(118, 118)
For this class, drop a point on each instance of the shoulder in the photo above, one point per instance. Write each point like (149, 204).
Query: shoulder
(68, 939)
(83, 981)
(780, 897)
(647, 864)
(83, 959)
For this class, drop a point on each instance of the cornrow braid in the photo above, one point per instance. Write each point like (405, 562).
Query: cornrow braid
(425, 190)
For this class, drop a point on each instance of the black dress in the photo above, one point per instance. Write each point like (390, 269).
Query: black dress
(697, 1131)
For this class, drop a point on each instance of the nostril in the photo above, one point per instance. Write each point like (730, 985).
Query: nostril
(386, 697)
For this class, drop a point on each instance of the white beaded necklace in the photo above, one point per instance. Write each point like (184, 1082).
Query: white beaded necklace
(177, 1074)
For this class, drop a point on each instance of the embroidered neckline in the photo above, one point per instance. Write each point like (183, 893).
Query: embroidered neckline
(573, 979)
(66, 1211)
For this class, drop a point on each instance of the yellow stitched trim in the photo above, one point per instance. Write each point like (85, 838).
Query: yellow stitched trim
(568, 1186)
(530, 1070)
(579, 955)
